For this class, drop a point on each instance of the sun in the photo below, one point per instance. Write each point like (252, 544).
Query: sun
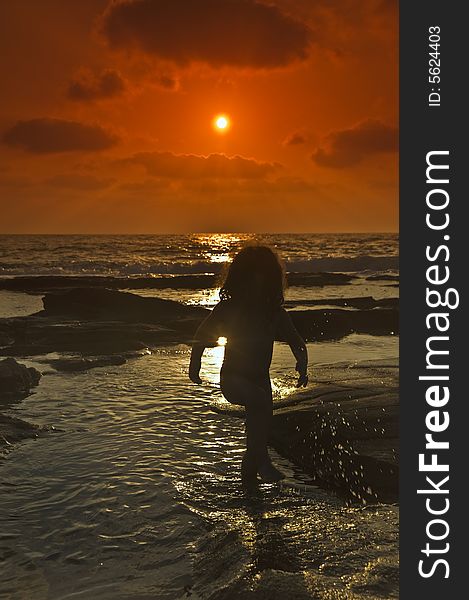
(221, 123)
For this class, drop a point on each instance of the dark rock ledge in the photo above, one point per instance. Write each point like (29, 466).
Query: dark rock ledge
(40, 284)
(13, 430)
(99, 322)
(16, 382)
(345, 435)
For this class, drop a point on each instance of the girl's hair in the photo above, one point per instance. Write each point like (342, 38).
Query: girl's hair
(255, 269)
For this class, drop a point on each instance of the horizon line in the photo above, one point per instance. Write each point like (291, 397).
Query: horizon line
(215, 233)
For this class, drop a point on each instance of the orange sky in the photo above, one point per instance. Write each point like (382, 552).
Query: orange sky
(106, 116)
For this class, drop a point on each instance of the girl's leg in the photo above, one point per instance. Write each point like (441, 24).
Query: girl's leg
(239, 390)
(258, 402)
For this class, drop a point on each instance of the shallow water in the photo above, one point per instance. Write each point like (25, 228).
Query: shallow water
(209, 297)
(17, 304)
(136, 494)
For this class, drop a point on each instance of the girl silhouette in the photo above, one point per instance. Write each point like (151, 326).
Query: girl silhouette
(250, 315)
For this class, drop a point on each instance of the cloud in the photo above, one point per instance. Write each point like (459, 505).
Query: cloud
(295, 139)
(233, 33)
(192, 166)
(167, 82)
(349, 147)
(45, 135)
(88, 86)
(78, 182)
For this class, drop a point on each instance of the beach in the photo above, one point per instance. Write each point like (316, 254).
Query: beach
(127, 484)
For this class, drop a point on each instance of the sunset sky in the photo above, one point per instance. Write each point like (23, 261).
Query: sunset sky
(107, 116)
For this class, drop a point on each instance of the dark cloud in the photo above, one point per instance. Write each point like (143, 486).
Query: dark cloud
(348, 147)
(42, 136)
(88, 86)
(191, 166)
(237, 33)
(295, 139)
(167, 82)
(78, 182)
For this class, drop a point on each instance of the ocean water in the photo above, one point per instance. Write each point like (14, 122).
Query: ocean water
(363, 255)
(135, 493)
(133, 255)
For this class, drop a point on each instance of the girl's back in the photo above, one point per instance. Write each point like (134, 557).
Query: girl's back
(250, 332)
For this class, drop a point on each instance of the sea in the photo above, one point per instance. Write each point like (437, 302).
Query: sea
(135, 492)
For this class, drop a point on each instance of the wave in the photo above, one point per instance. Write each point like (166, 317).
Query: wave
(363, 263)
(345, 264)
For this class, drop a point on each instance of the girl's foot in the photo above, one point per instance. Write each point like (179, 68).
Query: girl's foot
(269, 474)
(248, 469)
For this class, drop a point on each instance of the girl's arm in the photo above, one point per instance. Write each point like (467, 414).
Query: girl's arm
(205, 336)
(288, 333)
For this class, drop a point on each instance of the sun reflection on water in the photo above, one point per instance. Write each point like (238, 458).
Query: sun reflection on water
(213, 360)
(218, 258)
(206, 298)
(220, 247)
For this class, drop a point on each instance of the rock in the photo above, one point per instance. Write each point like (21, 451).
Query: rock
(40, 335)
(5, 339)
(345, 433)
(383, 277)
(96, 321)
(364, 302)
(80, 363)
(46, 283)
(17, 379)
(13, 430)
(317, 325)
(112, 305)
(83, 364)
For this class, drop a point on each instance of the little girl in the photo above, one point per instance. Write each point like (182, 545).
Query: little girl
(250, 315)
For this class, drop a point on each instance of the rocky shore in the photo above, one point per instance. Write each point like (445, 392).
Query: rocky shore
(16, 382)
(97, 321)
(46, 283)
(343, 433)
